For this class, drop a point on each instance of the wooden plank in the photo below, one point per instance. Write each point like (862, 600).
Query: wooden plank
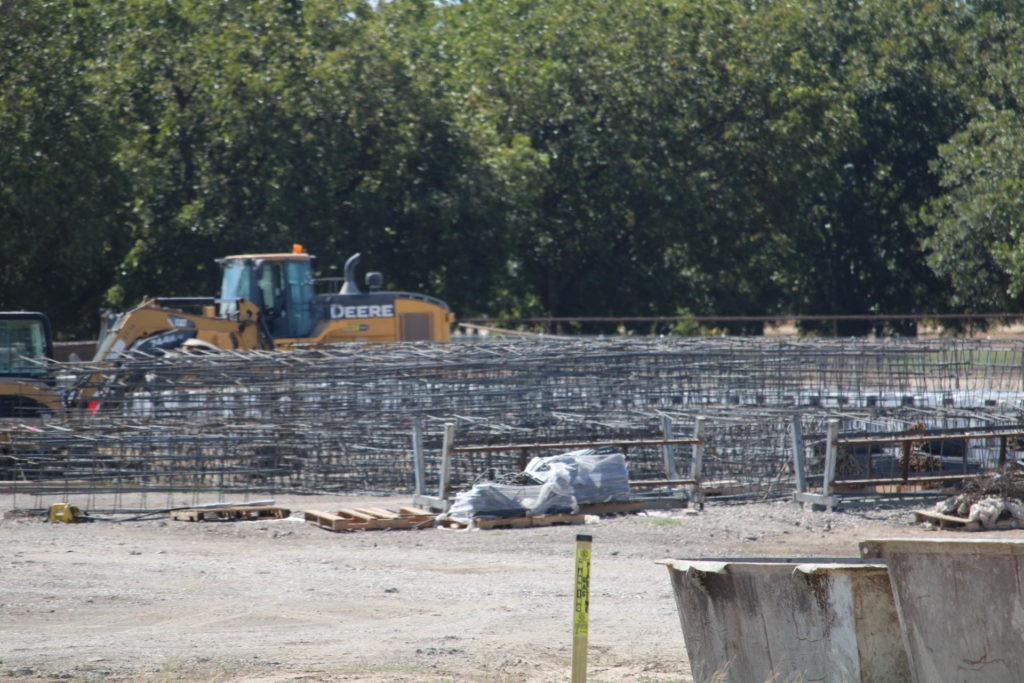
(929, 479)
(419, 512)
(527, 521)
(185, 515)
(637, 504)
(229, 513)
(355, 513)
(376, 519)
(400, 522)
(946, 521)
(551, 520)
(911, 487)
(380, 513)
(501, 522)
(326, 520)
(962, 523)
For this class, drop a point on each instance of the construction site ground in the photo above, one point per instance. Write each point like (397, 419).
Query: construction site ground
(284, 600)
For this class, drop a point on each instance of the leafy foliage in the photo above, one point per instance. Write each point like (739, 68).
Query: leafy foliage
(61, 194)
(519, 157)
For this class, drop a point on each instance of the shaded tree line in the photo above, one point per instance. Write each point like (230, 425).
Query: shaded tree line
(520, 157)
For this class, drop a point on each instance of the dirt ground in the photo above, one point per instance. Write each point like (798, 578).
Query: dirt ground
(284, 600)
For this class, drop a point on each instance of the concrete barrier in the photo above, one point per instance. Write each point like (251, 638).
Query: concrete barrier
(794, 620)
(960, 605)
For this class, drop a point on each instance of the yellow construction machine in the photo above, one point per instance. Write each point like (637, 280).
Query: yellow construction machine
(28, 394)
(26, 383)
(161, 324)
(271, 301)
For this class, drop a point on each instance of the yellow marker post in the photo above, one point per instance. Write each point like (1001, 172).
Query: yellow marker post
(581, 612)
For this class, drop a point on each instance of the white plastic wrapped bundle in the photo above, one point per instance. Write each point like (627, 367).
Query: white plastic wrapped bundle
(489, 499)
(566, 480)
(556, 493)
(594, 477)
(505, 500)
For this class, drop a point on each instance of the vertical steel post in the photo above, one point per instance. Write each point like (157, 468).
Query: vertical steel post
(418, 467)
(830, 462)
(668, 451)
(446, 461)
(798, 455)
(697, 465)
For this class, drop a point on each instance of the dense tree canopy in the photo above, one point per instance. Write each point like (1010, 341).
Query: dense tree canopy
(520, 157)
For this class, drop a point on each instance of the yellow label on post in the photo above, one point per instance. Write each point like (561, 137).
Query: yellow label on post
(581, 616)
(581, 611)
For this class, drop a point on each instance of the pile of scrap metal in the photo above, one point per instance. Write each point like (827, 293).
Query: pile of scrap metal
(988, 499)
(549, 485)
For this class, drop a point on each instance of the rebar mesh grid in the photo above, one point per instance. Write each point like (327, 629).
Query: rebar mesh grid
(340, 419)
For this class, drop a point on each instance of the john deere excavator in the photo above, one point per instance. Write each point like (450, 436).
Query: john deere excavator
(271, 301)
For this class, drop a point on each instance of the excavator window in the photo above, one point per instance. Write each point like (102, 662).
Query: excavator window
(270, 281)
(234, 285)
(298, 281)
(23, 341)
(271, 289)
(283, 289)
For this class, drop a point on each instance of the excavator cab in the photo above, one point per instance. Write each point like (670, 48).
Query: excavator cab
(26, 344)
(281, 285)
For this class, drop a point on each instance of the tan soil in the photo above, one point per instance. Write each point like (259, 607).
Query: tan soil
(283, 600)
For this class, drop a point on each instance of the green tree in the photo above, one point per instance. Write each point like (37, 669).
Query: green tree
(566, 89)
(774, 120)
(678, 140)
(864, 251)
(250, 126)
(978, 242)
(61, 194)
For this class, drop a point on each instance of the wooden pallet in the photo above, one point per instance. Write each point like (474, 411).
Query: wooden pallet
(230, 513)
(962, 523)
(515, 522)
(371, 519)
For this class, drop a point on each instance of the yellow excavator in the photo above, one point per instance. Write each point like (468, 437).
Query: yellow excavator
(270, 301)
(26, 383)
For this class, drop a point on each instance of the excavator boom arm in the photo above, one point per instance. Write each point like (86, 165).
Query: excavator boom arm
(158, 325)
